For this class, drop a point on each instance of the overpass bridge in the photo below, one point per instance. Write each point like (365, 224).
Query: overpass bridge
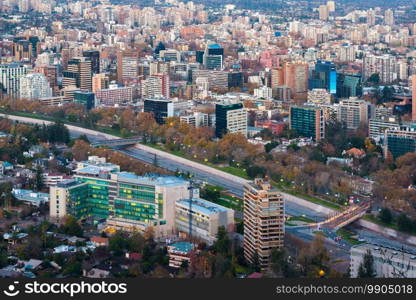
(340, 219)
(117, 142)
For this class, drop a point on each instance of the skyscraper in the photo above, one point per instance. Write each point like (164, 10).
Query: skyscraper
(264, 218)
(324, 77)
(78, 74)
(94, 57)
(296, 78)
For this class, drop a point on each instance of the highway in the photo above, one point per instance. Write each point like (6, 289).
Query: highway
(293, 205)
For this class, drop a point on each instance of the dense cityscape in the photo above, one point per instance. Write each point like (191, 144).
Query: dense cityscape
(207, 139)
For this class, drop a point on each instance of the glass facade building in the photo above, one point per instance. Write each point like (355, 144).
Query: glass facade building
(307, 121)
(324, 77)
(100, 192)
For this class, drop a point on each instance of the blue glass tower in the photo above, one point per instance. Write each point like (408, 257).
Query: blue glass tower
(324, 77)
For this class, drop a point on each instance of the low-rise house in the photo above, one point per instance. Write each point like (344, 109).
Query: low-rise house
(64, 249)
(15, 238)
(5, 166)
(30, 197)
(179, 253)
(99, 241)
(96, 273)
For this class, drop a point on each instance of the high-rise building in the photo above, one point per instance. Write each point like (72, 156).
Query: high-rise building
(127, 65)
(213, 57)
(263, 92)
(160, 108)
(377, 127)
(354, 112)
(51, 72)
(296, 78)
(34, 86)
(308, 121)
(114, 95)
(348, 86)
(156, 86)
(216, 79)
(22, 50)
(324, 77)
(230, 118)
(235, 79)
(10, 75)
(78, 74)
(389, 17)
(414, 97)
(323, 13)
(371, 17)
(400, 140)
(319, 96)
(384, 66)
(264, 218)
(331, 6)
(277, 78)
(346, 53)
(100, 82)
(94, 57)
(85, 98)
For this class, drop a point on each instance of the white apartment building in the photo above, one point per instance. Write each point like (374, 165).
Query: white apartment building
(34, 86)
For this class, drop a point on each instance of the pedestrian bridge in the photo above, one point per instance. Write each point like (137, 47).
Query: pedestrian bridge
(340, 219)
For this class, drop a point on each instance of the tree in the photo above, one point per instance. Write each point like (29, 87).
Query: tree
(118, 243)
(39, 185)
(72, 227)
(374, 79)
(255, 265)
(255, 171)
(404, 223)
(223, 243)
(366, 268)
(385, 216)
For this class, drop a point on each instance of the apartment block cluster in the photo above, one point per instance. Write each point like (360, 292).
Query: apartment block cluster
(309, 70)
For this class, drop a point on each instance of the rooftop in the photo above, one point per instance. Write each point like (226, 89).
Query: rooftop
(150, 180)
(184, 247)
(204, 206)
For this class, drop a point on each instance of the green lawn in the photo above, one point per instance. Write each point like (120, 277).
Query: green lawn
(234, 171)
(285, 188)
(301, 219)
(348, 236)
